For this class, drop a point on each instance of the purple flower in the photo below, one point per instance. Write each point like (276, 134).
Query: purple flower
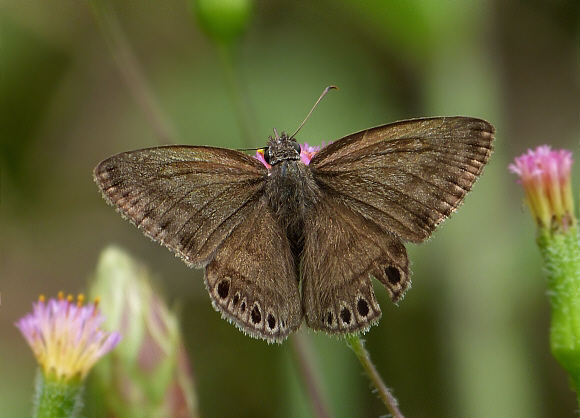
(307, 152)
(545, 177)
(65, 336)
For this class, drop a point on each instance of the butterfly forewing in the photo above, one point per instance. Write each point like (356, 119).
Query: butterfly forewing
(408, 176)
(187, 198)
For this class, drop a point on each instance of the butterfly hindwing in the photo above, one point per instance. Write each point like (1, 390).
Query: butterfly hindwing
(252, 279)
(341, 250)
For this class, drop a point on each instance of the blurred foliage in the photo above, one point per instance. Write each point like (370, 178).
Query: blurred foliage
(31, 71)
(471, 337)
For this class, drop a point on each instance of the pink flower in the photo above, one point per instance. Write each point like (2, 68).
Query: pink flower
(260, 157)
(545, 176)
(65, 336)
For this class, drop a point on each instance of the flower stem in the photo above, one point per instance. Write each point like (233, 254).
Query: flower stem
(56, 398)
(561, 253)
(388, 399)
(302, 352)
(240, 101)
(131, 70)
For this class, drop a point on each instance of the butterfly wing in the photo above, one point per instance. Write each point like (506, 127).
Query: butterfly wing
(382, 186)
(187, 198)
(252, 280)
(408, 176)
(206, 205)
(341, 250)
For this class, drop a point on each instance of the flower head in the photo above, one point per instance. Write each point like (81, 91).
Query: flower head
(307, 152)
(65, 336)
(545, 176)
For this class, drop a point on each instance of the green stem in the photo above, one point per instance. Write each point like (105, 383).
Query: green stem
(240, 101)
(131, 70)
(561, 254)
(56, 398)
(302, 353)
(388, 399)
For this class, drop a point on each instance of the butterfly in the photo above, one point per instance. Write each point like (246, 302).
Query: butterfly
(288, 239)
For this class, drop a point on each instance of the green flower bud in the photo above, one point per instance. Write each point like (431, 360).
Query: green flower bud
(223, 20)
(148, 375)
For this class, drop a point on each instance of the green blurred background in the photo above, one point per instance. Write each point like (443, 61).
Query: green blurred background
(471, 337)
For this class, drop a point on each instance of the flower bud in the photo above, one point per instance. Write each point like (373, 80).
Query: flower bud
(223, 20)
(149, 375)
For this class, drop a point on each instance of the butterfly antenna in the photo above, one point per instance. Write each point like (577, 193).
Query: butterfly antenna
(326, 90)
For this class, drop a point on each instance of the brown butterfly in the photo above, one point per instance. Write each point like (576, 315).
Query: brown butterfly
(288, 239)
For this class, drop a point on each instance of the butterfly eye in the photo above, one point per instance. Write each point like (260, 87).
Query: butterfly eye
(296, 147)
(267, 155)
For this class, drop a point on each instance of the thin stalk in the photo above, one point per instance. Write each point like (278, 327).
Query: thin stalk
(364, 358)
(240, 101)
(131, 70)
(303, 354)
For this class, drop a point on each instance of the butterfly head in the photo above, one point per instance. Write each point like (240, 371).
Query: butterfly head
(285, 148)
(281, 148)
